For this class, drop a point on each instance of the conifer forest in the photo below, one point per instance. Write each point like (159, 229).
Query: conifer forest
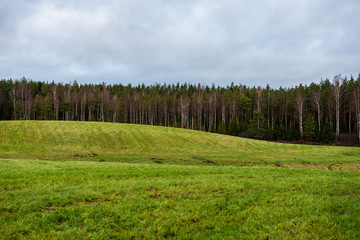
(324, 112)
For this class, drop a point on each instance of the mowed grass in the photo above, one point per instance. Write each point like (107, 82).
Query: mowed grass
(90, 180)
(52, 140)
(101, 200)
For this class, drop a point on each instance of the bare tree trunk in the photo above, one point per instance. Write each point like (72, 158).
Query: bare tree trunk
(356, 97)
(215, 113)
(336, 90)
(105, 97)
(184, 105)
(259, 102)
(299, 106)
(55, 99)
(200, 104)
(268, 109)
(14, 95)
(350, 105)
(272, 118)
(67, 96)
(115, 107)
(234, 108)
(212, 111)
(83, 106)
(223, 109)
(316, 97)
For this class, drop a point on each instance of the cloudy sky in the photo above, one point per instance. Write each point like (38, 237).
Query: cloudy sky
(252, 42)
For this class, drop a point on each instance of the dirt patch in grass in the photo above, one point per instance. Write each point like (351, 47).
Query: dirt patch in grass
(209, 162)
(306, 166)
(35, 156)
(355, 167)
(157, 160)
(204, 160)
(350, 167)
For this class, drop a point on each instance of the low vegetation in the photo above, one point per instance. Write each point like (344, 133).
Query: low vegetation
(88, 180)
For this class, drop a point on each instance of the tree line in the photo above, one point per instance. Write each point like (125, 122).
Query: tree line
(324, 112)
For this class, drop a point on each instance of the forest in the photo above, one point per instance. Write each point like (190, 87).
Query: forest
(326, 112)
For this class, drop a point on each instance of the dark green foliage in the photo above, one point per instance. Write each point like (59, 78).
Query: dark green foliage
(257, 125)
(222, 128)
(309, 129)
(233, 127)
(279, 131)
(292, 133)
(204, 108)
(327, 133)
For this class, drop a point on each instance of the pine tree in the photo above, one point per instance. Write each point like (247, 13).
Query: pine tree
(233, 126)
(326, 133)
(257, 125)
(309, 129)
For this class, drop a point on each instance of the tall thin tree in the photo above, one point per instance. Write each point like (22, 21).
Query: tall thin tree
(316, 100)
(356, 98)
(337, 90)
(55, 99)
(299, 101)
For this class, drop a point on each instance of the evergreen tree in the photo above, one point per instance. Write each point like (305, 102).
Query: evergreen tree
(235, 109)
(326, 133)
(233, 126)
(222, 128)
(257, 125)
(309, 129)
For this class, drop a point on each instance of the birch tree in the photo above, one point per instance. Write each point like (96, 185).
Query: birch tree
(67, 98)
(55, 99)
(200, 103)
(105, 97)
(356, 98)
(212, 111)
(184, 106)
(259, 97)
(316, 100)
(337, 90)
(223, 109)
(299, 104)
(14, 96)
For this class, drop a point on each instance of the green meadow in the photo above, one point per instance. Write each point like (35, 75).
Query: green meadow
(90, 180)
(131, 143)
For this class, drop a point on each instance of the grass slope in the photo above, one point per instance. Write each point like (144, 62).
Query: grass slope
(51, 140)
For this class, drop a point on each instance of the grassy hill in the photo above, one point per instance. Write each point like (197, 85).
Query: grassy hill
(52, 140)
(77, 180)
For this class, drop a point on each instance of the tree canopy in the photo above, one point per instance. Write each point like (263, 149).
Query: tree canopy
(321, 112)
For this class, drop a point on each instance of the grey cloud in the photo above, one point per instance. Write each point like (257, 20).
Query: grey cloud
(251, 42)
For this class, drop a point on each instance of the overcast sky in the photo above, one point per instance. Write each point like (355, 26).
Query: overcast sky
(252, 42)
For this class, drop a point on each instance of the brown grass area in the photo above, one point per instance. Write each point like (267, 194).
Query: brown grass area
(355, 167)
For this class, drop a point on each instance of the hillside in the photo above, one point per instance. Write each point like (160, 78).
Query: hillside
(95, 141)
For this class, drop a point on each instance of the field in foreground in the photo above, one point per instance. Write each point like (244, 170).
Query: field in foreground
(83, 200)
(77, 180)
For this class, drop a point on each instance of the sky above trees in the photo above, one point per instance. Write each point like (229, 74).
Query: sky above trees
(281, 43)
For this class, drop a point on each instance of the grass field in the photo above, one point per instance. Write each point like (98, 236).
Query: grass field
(79, 180)
(50, 140)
